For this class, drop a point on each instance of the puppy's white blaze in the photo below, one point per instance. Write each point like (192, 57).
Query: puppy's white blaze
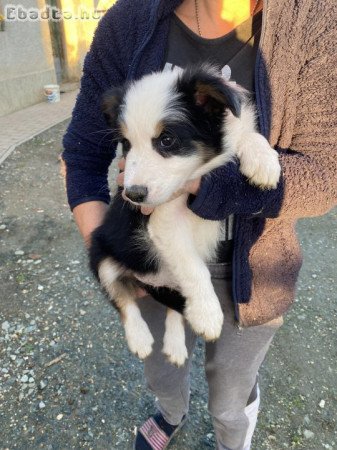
(148, 102)
(162, 176)
(108, 272)
(174, 338)
(138, 335)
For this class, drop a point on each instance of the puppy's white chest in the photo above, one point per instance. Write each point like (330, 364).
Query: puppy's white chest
(179, 235)
(174, 228)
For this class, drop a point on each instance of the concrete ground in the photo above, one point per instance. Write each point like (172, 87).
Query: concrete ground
(22, 125)
(67, 379)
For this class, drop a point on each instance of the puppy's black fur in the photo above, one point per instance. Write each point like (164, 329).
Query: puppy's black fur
(118, 238)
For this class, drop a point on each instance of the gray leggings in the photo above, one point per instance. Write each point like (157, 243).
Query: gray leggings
(231, 366)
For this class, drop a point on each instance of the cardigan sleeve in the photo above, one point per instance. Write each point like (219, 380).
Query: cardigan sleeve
(308, 186)
(89, 145)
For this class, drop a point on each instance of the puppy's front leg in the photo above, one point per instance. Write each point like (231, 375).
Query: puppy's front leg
(258, 161)
(202, 309)
(122, 292)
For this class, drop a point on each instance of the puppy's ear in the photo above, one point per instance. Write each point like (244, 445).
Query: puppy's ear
(111, 102)
(207, 89)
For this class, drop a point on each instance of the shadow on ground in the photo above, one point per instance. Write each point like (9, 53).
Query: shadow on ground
(67, 380)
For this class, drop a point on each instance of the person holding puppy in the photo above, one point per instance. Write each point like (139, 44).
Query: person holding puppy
(283, 52)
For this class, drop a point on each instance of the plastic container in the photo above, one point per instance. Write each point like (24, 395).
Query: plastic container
(52, 92)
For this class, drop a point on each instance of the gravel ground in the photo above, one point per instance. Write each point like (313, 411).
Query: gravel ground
(67, 380)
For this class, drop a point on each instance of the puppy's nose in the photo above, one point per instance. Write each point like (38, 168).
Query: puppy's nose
(136, 193)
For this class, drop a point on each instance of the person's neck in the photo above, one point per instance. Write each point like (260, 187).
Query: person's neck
(215, 18)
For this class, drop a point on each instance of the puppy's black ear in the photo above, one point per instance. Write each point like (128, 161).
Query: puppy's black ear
(111, 102)
(208, 89)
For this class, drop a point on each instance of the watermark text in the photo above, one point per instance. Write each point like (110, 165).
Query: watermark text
(18, 13)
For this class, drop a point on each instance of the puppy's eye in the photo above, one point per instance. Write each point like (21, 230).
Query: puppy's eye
(167, 140)
(125, 146)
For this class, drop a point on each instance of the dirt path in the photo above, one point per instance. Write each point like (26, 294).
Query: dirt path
(67, 380)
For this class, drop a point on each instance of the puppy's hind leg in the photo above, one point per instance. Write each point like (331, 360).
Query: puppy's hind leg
(137, 332)
(122, 292)
(174, 338)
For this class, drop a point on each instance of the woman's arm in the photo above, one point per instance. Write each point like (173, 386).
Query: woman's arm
(89, 216)
(89, 144)
(309, 168)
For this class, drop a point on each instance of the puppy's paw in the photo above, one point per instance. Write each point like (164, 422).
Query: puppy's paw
(259, 162)
(205, 318)
(139, 338)
(175, 350)
(174, 338)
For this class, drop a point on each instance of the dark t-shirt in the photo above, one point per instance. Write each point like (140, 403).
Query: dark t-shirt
(234, 54)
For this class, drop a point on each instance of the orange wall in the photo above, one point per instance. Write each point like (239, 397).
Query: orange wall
(78, 33)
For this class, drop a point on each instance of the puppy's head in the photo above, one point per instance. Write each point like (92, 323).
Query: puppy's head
(171, 123)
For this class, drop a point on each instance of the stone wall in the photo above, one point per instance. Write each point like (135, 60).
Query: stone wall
(26, 61)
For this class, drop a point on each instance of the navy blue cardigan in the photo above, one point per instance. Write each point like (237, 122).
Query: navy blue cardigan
(129, 42)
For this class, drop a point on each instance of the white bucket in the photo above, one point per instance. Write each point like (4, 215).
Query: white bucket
(52, 92)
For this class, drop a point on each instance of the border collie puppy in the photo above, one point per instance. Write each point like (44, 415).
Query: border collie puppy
(173, 127)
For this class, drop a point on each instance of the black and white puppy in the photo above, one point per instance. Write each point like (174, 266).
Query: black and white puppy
(173, 127)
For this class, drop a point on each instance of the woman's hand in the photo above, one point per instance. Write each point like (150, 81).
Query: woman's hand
(191, 187)
(88, 216)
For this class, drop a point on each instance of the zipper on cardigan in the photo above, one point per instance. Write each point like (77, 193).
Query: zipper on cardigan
(235, 272)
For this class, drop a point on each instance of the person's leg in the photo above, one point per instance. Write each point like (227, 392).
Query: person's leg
(232, 364)
(170, 385)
